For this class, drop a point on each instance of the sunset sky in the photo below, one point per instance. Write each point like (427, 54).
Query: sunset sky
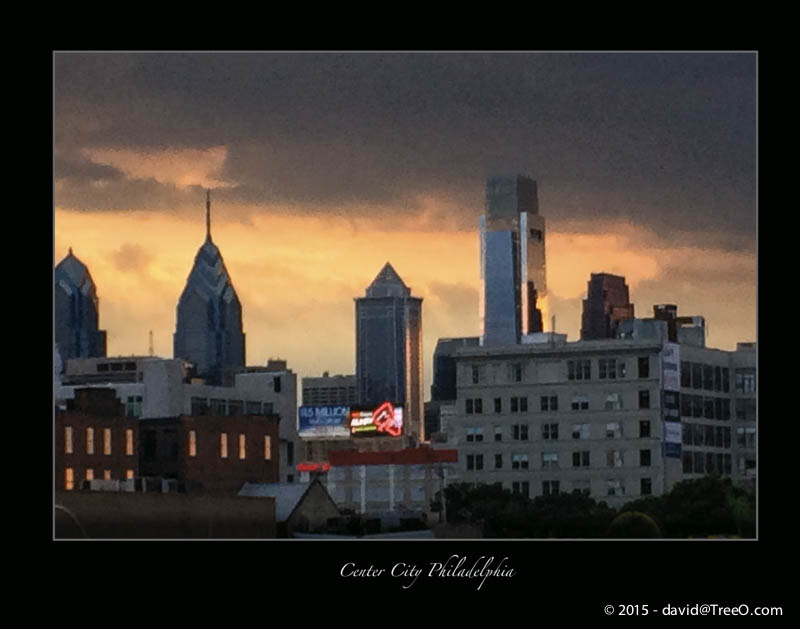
(324, 166)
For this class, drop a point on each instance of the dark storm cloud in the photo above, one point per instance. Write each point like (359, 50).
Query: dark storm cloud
(666, 140)
(82, 170)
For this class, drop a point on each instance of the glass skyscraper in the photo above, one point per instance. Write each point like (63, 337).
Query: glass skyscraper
(389, 347)
(77, 312)
(209, 317)
(513, 284)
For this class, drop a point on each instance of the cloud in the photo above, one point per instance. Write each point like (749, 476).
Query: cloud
(131, 258)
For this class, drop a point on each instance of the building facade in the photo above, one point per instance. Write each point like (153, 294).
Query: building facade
(330, 390)
(389, 348)
(77, 308)
(606, 305)
(513, 294)
(209, 317)
(603, 418)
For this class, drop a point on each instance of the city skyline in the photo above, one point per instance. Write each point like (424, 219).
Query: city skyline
(331, 165)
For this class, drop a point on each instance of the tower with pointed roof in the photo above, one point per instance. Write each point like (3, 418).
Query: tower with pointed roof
(389, 348)
(77, 332)
(209, 316)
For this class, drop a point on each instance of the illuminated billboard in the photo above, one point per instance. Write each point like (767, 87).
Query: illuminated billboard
(386, 419)
(323, 422)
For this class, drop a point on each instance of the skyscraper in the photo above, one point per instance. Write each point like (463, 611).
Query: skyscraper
(607, 304)
(389, 347)
(514, 287)
(209, 319)
(77, 312)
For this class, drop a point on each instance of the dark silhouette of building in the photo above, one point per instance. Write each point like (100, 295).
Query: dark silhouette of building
(444, 366)
(76, 312)
(514, 288)
(389, 348)
(607, 304)
(209, 318)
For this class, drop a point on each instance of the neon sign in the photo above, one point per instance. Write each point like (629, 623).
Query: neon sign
(386, 419)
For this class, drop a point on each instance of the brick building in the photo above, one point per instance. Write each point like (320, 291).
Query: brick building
(94, 440)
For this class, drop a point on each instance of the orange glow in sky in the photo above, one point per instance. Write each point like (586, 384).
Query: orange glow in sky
(297, 276)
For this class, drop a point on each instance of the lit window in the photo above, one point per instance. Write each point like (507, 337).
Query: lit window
(69, 479)
(613, 401)
(519, 461)
(106, 474)
(242, 451)
(90, 441)
(613, 430)
(192, 443)
(223, 445)
(128, 474)
(615, 488)
(549, 460)
(106, 440)
(474, 434)
(89, 473)
(267, 447)
(68, 439)
(580, 431)
(614, 458)
(129, 442)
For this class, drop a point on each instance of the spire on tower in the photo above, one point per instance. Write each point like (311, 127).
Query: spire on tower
(208, 214)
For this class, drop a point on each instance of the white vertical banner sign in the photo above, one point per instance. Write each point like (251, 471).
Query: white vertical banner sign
(670, 399)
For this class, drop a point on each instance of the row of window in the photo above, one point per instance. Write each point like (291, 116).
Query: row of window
(714, 378)
(706, 463)
(713, 436)
(549, 460)
(550, 431)
(229, 408)
(69, 441)
(706, 407)
(607, 369)
(223, 445)
(614, 487)
(549, 403)
(126, 366)
(69, 476)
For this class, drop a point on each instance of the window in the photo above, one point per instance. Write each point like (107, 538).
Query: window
(580, 403)
(699, 463)
(128, 474)
(717, 379)
(478, 406)
(234, 407)
(519, 461)
(521, 488)
(549, 460)
(615, 488)
(519, 432)
(106, 474)
(474, 434)
(523, 405)
(549, 402)
(686, 374)
(498, 405)
(549, 431)
(498, 461)
(133, 406)
(726, 437)
(476, 374)
(746, 437)
(267, 447)
(218, 407)
(69, 479)
(697, 406)
(474, 461)
(469, 408)
(252, 408)
(686, 405)
(726, 380)
(90, 441)
(242, 449)
(583, 486)
(102, 367)
(610, 368)
(708, 377)
(613, 402)
(644, 366)
(614, 458)
(289, 453)
(192, 443)
(644, 458)
(613, 430)
(579, 369)
(276, 384)
(223, 445)
(687, 463)
(498, 433)
(580, 459)
(644, 429)
(199, 406)
(128, 442)
(746, 409)
(580, 431)
(516, 372)
(550, 487)
(89, 475)
(644, 399)
(645, 486)
(474, 406)
(68, 439)
(708, 408)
